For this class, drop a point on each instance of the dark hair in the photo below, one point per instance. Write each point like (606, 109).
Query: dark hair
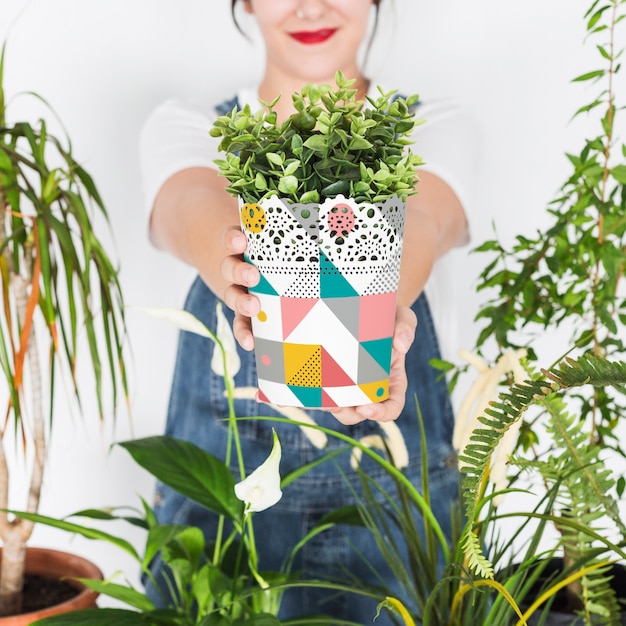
(369, 43)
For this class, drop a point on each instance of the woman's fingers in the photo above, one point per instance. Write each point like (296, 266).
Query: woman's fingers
(240, 275)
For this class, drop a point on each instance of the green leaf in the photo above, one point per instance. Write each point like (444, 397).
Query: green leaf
(128, 595)
(276, 159)
(589, 76)
(158, 538)
(261, 619)
(349, 515)
(189, 470)
(96, 617)
(359, 143)
(84, 531)
(334, 189)
(311, 196)
(316, 143)
(259, 182)
(619, 174)
(288, 185)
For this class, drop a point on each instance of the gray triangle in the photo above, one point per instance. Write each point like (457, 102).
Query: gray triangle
(369, 370)
(308, 216)
(346, 310)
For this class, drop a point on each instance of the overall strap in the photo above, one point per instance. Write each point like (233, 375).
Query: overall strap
(227, 106)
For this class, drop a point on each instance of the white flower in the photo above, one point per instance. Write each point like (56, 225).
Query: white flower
(261, 489)
(227, 339)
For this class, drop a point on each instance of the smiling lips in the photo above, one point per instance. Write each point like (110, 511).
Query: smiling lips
(313, 36)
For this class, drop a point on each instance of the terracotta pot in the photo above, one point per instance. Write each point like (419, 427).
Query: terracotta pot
(56, 564)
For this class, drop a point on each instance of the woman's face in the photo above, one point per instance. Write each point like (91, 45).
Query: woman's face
(309, 40)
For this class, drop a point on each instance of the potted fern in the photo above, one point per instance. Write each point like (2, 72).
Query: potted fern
(59, 287)
(322, 199)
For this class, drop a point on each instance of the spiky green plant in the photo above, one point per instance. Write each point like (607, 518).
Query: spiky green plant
(58, 286)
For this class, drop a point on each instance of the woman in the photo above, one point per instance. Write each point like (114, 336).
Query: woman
(194, 218)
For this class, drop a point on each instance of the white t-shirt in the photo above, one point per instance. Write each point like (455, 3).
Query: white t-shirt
(176, 136)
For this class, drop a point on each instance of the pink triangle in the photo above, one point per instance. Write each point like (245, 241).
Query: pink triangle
(333, 374)
(327, 401)
(293, 311)
(262, 397)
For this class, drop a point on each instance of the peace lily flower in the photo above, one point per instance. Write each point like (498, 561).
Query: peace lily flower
(261, 489)
(227, 339)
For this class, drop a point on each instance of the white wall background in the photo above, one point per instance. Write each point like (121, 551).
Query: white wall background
(103, 65)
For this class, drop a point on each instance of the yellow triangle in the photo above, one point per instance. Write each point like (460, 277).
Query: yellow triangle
(376, 391)
(297, 355)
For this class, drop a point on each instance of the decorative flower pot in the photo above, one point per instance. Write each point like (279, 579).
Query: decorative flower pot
(329, 277)
(54, 564)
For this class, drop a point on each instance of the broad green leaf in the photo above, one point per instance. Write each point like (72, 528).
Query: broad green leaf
(158, 537)
(189, 470)
(128, 595)
(96, 617)
(88, 533)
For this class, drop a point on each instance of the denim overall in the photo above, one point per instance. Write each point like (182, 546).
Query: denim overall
(198, 410)
(197, 413)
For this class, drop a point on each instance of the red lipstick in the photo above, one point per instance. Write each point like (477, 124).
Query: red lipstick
(313, 36)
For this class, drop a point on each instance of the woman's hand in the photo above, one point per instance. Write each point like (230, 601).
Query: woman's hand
(389, 409)
(240, 275)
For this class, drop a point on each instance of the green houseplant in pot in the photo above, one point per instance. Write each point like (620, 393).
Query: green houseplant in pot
(566, 282)
(59, 287)
(322, 197)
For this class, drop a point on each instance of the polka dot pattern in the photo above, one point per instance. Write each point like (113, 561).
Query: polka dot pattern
(253, 218)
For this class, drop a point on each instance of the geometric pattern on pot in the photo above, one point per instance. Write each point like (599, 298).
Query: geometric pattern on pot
(329, 276)
(324, 352)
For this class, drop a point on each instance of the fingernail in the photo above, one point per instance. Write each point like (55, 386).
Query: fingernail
(404, 342)
(250, 276)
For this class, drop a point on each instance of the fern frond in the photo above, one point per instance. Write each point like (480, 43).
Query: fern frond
(476, 560)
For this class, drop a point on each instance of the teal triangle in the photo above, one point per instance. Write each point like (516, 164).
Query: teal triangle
(263, 286)
(380, 351)
(309, 396)
(332, 282)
